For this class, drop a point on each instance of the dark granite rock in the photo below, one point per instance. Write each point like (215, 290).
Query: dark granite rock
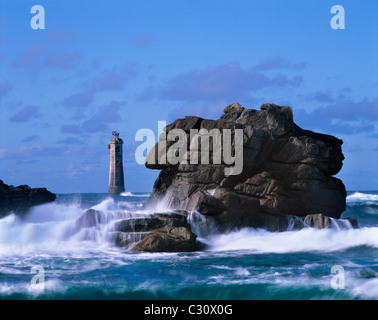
(20, 199)
(161, 232)
(168, 239)
(286, 171)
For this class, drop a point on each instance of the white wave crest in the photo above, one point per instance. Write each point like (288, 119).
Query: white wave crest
(305, 240)
(361, 197)
(130, 194)
(56, 227)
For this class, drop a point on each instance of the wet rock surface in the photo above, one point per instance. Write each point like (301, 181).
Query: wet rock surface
(286, 171)
(159, 232)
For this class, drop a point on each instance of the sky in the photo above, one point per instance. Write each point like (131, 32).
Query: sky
(124, 65)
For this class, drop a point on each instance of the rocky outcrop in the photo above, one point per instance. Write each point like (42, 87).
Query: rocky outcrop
(20, 199)
(287, 171)
(165, 232)
(159, 232)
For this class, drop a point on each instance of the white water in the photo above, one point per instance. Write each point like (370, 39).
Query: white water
(130, 194)
(73, 254)
(361, 197)
(305, 240)
(54, 228)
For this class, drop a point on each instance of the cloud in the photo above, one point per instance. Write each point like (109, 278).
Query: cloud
(343, 116)
(73, 171)
(61, 59)
(57, 36)
(142, 40)
(204, 109)
(108, 81)
(30, 57)
(322, 96)
(25, 114)
(35, 57)
(31, 151)
(5, 88)
(114, 78)
(223, 81)
(71, 128)
(80, 99)
(70, 141)
(103, 116)
(349, 110)
(32, 138)
(110, 112)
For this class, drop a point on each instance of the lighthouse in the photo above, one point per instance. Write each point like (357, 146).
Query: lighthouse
(116, 180)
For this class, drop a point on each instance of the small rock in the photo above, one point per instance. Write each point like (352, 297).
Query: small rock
(168, 239)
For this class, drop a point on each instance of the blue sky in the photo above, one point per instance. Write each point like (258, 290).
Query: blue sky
(124, 65)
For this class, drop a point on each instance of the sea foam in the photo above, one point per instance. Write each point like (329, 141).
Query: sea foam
(305, 240)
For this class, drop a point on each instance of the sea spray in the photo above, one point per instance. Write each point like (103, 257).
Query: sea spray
(247, 264)
(65, 224)
(305, 240)
(200, 225)
(362, 197)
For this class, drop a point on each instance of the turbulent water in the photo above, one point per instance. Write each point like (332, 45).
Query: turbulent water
(83, 263)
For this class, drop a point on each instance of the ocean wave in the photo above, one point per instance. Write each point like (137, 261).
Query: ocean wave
(52, 228)
(362, 197)
(305, 240)
(130, 194)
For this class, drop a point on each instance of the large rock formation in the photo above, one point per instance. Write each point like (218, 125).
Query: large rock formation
(20, 199)
(286, 171)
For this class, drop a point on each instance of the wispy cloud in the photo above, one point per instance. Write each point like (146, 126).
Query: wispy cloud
(71, 128)
(57, 36)
(32, 138)
(5, 88)
(70, 141)
(31, 151)
(104, 115)
(222, 81)
(61, 59)
(34, 57)
(343, 116)
(30, 57)
(25, 114)
(80, 99)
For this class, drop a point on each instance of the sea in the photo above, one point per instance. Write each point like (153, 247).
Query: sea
(46, 256)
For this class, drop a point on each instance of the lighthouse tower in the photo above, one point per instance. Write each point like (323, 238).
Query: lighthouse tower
(116, 180)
